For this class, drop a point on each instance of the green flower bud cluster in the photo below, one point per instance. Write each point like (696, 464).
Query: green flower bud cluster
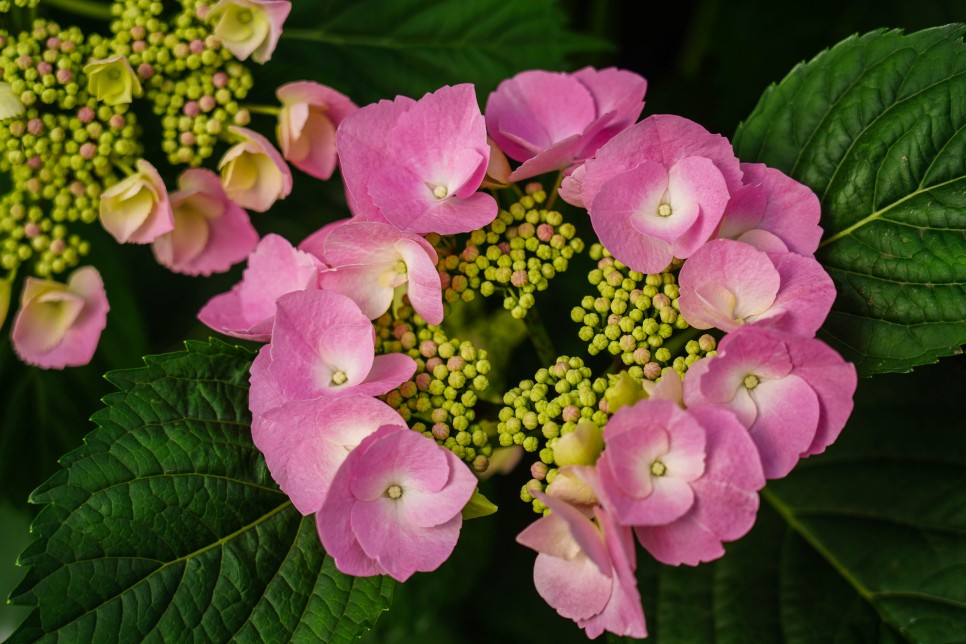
(513, 257)
(61, 152)
(194, 83)
(25, 233)
(636, 317)
(7, 5)
(450, 377)
(540, 412)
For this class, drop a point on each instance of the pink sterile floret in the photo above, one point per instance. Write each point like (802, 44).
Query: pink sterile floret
(418, 164)
(794, 394)
(656, 191)
(306, 441)
(395, 505)
(211, 232)
(727, 284)
(552, 121)
(687, 480)
(322, 346)
(136, 209)
(307, 123)
(773, 213)
(585, 566)
(253, 172)
(59, 325)
(372, 263)
(248, 310)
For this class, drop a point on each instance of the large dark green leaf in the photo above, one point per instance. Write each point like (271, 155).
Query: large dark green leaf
(166, 525)
(866, 543)
(376, 49)
(877, 127)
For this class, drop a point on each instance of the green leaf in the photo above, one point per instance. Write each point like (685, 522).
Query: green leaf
(865, 543)
(374, 49)
(166, 525)
(876, 127)
(478, 506)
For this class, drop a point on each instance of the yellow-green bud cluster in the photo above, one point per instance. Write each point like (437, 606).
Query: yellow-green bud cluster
(513, 257)
(450, 376)
(7, 5)
(61, 153)
(194, 83)
(541, 411)
(636, 317)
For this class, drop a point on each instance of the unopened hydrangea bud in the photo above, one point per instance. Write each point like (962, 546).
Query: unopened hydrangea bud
(539, 470)
(707, 342)
(652, 371)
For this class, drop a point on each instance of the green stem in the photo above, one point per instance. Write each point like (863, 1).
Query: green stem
(539, 337)
(553, 191)
(271, 110)
(123, 167)
(86, 8)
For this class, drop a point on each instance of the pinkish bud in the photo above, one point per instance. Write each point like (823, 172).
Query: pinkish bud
(31, 230)
(44, 68)
(57, 246)
(187, 138)
(191, 109)
(427, 349)
(197, 46)
(519, 278)
(441, 431)
(117, 121)
(34, 162)
(220, 79)
(35, 126)
(145, 70)
(138, 46)
(432, 363)
(539, 470)
(53, 42)
(85, 114)
(138, 32)
(64, 76)
(88, 150)
(422, 381)
(544, 232)
(206, 103)
(652, 370)
(571, 414)
(77, 188)
(660, 300)
(456, 363)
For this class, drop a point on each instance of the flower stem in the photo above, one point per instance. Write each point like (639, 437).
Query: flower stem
(539, 337)
(86, 8)
(271, 110)
(553, 191)
(123, 167)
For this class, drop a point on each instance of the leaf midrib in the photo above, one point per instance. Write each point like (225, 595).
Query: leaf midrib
(184, 558)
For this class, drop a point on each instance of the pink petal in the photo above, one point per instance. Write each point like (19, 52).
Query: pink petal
(310, 114)
(388, 372)
(248, 310)
(264, 394)
(431, 509)
(616, 207)
(362, 284)
(399, 456)
(424, 287)
(272, 178)
(305, 442)
(805, 297)
(726, 282)
(536, 109)
(619, 96)
(314, 244)
(79, 342)
(575, 588)
(585, 533)
(558, 156)
(151, 215)
(550, 535)
(697, 181)
(788, 413)
(361, 140)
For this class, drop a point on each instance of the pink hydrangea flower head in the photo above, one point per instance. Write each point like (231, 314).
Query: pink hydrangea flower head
(773, 213)
(253, 172)
(793, 393)
(656, 191)
(395, 505)
(248, 310)
(322, 346)
(211, 232)
(373, 263)
(306, 125)
(306, 441)
(136, 209)
(249, 27)
(418, 164)
(59, 325)
(723, 499)
(552, 121)
(727, 283)
(585, 566)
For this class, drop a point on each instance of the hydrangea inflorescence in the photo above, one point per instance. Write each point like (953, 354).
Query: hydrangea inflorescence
(371, 403)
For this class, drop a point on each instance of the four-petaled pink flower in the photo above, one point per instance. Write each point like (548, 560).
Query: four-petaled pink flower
(59, 325)
(418, 164)
(306, 125)
(552, 120)
(136, 209)
(322, 346)
(211, 232)
(248, 310)
(687, 480)
(793, 393)
(656, 191)
(306, 441)
(727, 283)
(585, 566)
(773, 213)
(253, 172)
(395, 505)
(372, 263)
